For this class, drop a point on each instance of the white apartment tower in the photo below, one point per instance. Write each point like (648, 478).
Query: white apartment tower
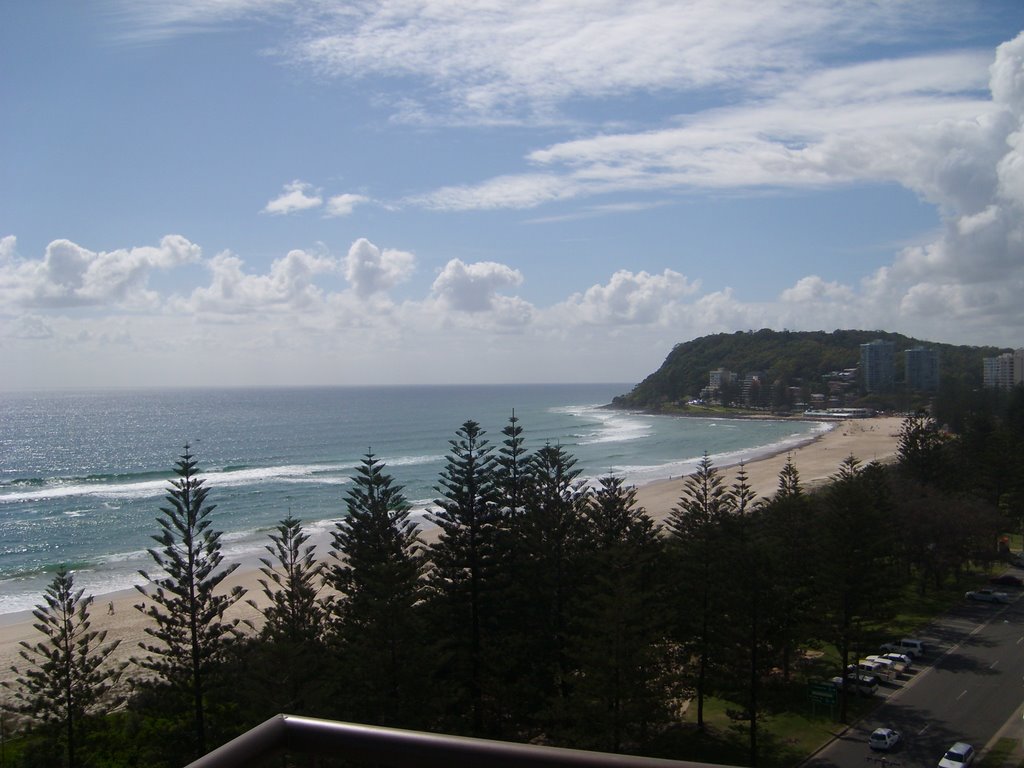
(1004, 371)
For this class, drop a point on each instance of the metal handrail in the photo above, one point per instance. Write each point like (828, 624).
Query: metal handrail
(402, 749)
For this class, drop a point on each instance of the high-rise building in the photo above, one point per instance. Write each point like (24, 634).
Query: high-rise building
(1003, 371)
(720, 377)
(922, 369)
(876, 366)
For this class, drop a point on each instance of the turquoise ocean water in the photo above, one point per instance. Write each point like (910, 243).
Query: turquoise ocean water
(83, 474)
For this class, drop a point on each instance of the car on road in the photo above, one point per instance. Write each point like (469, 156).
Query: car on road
(883, 739)
(987, 596)
(1007, 580)
(957, 756)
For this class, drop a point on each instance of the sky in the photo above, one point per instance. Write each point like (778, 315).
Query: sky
(309, 192)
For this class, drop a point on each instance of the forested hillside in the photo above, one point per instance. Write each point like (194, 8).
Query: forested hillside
(789, 358)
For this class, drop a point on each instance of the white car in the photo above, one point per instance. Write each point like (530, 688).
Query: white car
(957, 756)
(883, 739)
(988, 596)
(901, 661)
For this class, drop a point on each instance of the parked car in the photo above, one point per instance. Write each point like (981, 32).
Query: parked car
(891, 668)
(1007, 580)
(988, 596)
(883, 670)
(910, 646)
(865, 685)
(902, 662)
(957, 756)
(883, 739)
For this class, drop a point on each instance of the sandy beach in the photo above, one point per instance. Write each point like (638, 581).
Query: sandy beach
(867, 439)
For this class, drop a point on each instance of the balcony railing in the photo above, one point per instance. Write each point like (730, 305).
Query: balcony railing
(288, 734)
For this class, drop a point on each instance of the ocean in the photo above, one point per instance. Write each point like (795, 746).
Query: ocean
(83, 474)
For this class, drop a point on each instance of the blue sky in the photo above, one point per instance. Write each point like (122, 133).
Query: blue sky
(223, 192)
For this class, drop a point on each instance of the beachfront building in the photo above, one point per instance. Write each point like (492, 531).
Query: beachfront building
(1003, 371)
(719, 380)
(876, 366)
(754, 389)
(922, 369)
(720, 377)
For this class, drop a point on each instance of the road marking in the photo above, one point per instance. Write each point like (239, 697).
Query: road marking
(993, 664)
(1020, 640)
(961, 695)
(924, 729)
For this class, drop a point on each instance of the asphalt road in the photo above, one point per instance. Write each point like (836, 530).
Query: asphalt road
(967, 687)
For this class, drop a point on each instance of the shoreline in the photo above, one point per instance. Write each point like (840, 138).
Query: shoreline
(816, 459)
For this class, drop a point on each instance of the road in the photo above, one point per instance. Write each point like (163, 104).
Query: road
(967, 687)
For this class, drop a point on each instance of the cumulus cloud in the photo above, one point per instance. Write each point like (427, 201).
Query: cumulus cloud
(976, 264)
(297, 196)
(474, 287)
(343, 205)
(8, 247)
(371, 270)
(814, 289)
(70, 275)
(288, 285)
(631, 298)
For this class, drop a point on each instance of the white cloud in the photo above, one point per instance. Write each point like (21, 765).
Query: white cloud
(297, 196)
(371, 270)
(814, 289)
(520, 191)
(8, 248)
(288, 286)
(509, 60)
(70, 275)
(343, 205)
(630, 298)
(154, 20)
(474, 287)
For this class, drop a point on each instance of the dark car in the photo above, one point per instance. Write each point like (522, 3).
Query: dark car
(1007, 580)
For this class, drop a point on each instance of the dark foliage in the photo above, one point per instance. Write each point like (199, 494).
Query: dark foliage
(376, 631)
(67, 678)
(465, 578)
(189, 632)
